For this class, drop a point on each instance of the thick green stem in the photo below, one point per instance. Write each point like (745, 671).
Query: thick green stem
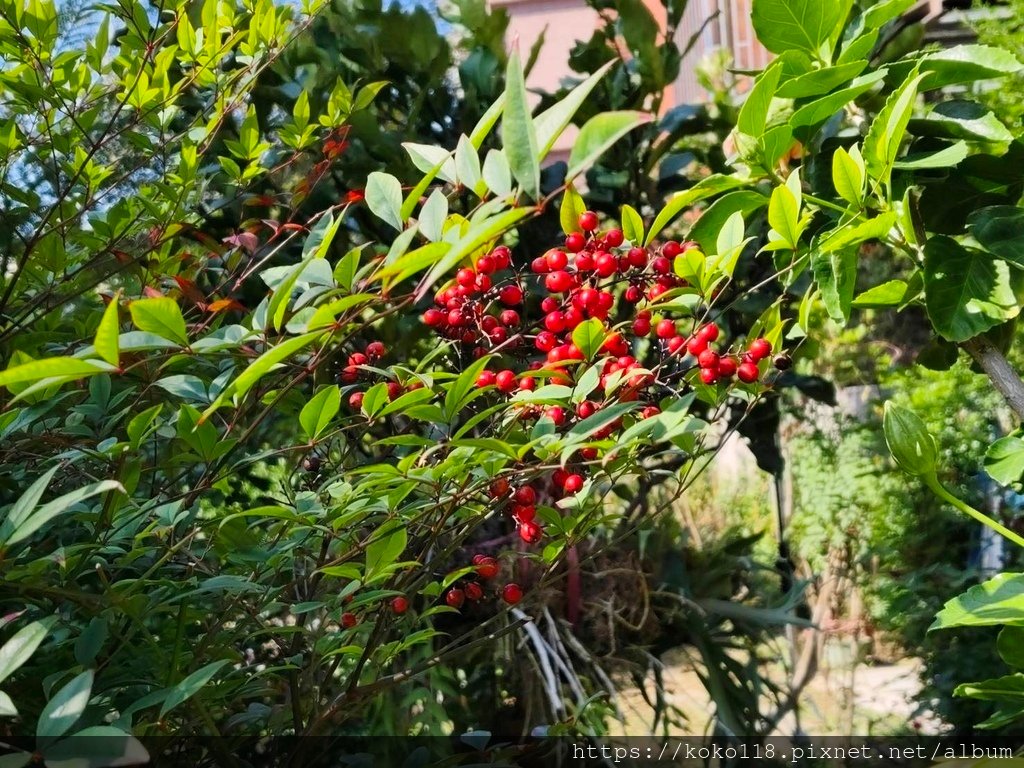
(940, 491)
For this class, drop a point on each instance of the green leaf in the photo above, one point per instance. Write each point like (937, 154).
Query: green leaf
(497, 174)
(385, 546)
(909, 441)
(880, 13)
(50, 367)
(570, 209)
(836, 276)
(316, 415)
(91, 641)
(467, 165)
(160, 315)
(822, 109)
(784, 216)
(99, 745)
(431, 160)
(518, 133)
(10, 534)
(960, 119)
(967, 291)
(1009, 688)
(598, 134)
(967, 64)
(260, 367)
(801, 24)
(7, 709)
(820, 81)
(432, 215)
(1004, 460)
(892, 293)
(1011, 646)
(848, 174)
(190, 686)
(888, 129)
(632, 225)
(589, 336)
(106, 340)
(1000, 600)
(551, 122)
(706, 230)
(29, 500)
(22, 645)
(871, 229)
(384, 198)
(64, 709)
(703, 189)
(1000, 230)
(754, 112)
(944, 158)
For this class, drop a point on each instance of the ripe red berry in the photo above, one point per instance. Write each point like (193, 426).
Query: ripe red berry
(348, 620)
(530, 532)
(556, 413)
(637, 257)
(355, 400)
(556, 259)
(675, 344)
(605, 264)
(375, 350)
(539, 265)
(588, 221)
(434, 317)
(559, 282)
(748, 372)
(574, 242)
(665, 329)
(395, 390)
(512, 594)
(727, 367)
(760, 348)
(708, 332)
(671, 249)
(661, 265)
(554, 321)
(502, 257)
(709, 375)
(584, 262)
(527, 383)
(487, 568)
(525, 495)
(485, 379)
(466, 277)
(455, 597)
(505, 381)
(708, 359)
(614, 238)
(633, 295)
(509, 318)
(485, 265)
(545, 341)
(358, 358)
(399, 605)
(649, 411)
(573, 483)
(524, 513)
(696, 345)
(499, 488)
(641, 326)
(474, 591)
(586, 409)
(511, 295)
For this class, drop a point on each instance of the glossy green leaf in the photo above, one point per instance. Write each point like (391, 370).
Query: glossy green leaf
(754, 112)
(949, 157)
(967, 291)
(190, 686)
(316, 415)
(66, 706)
(598, 134)
(497, 174)
(820, 110)
(1000, 600)
(892, 293)
(1004, 460)
(11, 534)
(432, 215)
(22, 645)
(836, 276)
(161, 316)
(552, 122)
(999, 229)
(384, 198)
(518, 133)
(848, 174)
(703, 189)
(569, 210)
(820, 81)
(106, 341)
(782, 25)
(589, 336)
(632, 225)
(889, 128)
(385, 546)
(1011, 646)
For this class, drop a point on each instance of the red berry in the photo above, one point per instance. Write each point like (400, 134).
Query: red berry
(584, 262)
(573, 317)
(375, 350)
(525, 495)
(573, 483)
(434, 317)
(649, 411)
(474, 591)
(527, 383)
(586, 409)
(708, 359)
(665, 329)
(456, 318)
(505, 381)
(727, 367)
(748, 372)
(395, 390)
(605, 264)
(358, 358)
(511, 295)
(554, 321)
(455, 597)
(633, 295)
(499, 488)
(708, 332)
(696, 345)
(574, 242)
(641, 326)
(588, 221)
(661, 265)
(559, 282)
(530, 532)
(348, 620)
(512, 594)
(556, 413)
(556, 259)
(509, 318)
(524, 513)
(760, 348)
(539, 265)
(614, 238)
(485, 265)
(671, 249)
(466, 277)
(637, 257)
(355, 400)
(708, 375)
(485, 379)
(502, 257)
(546, 341)
(675, 344)
(487, 568)
(399, 605)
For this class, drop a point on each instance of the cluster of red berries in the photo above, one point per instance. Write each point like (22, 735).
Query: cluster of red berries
(486, 568)
(715, 367)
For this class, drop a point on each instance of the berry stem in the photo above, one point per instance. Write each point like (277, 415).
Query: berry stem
(940, 490)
